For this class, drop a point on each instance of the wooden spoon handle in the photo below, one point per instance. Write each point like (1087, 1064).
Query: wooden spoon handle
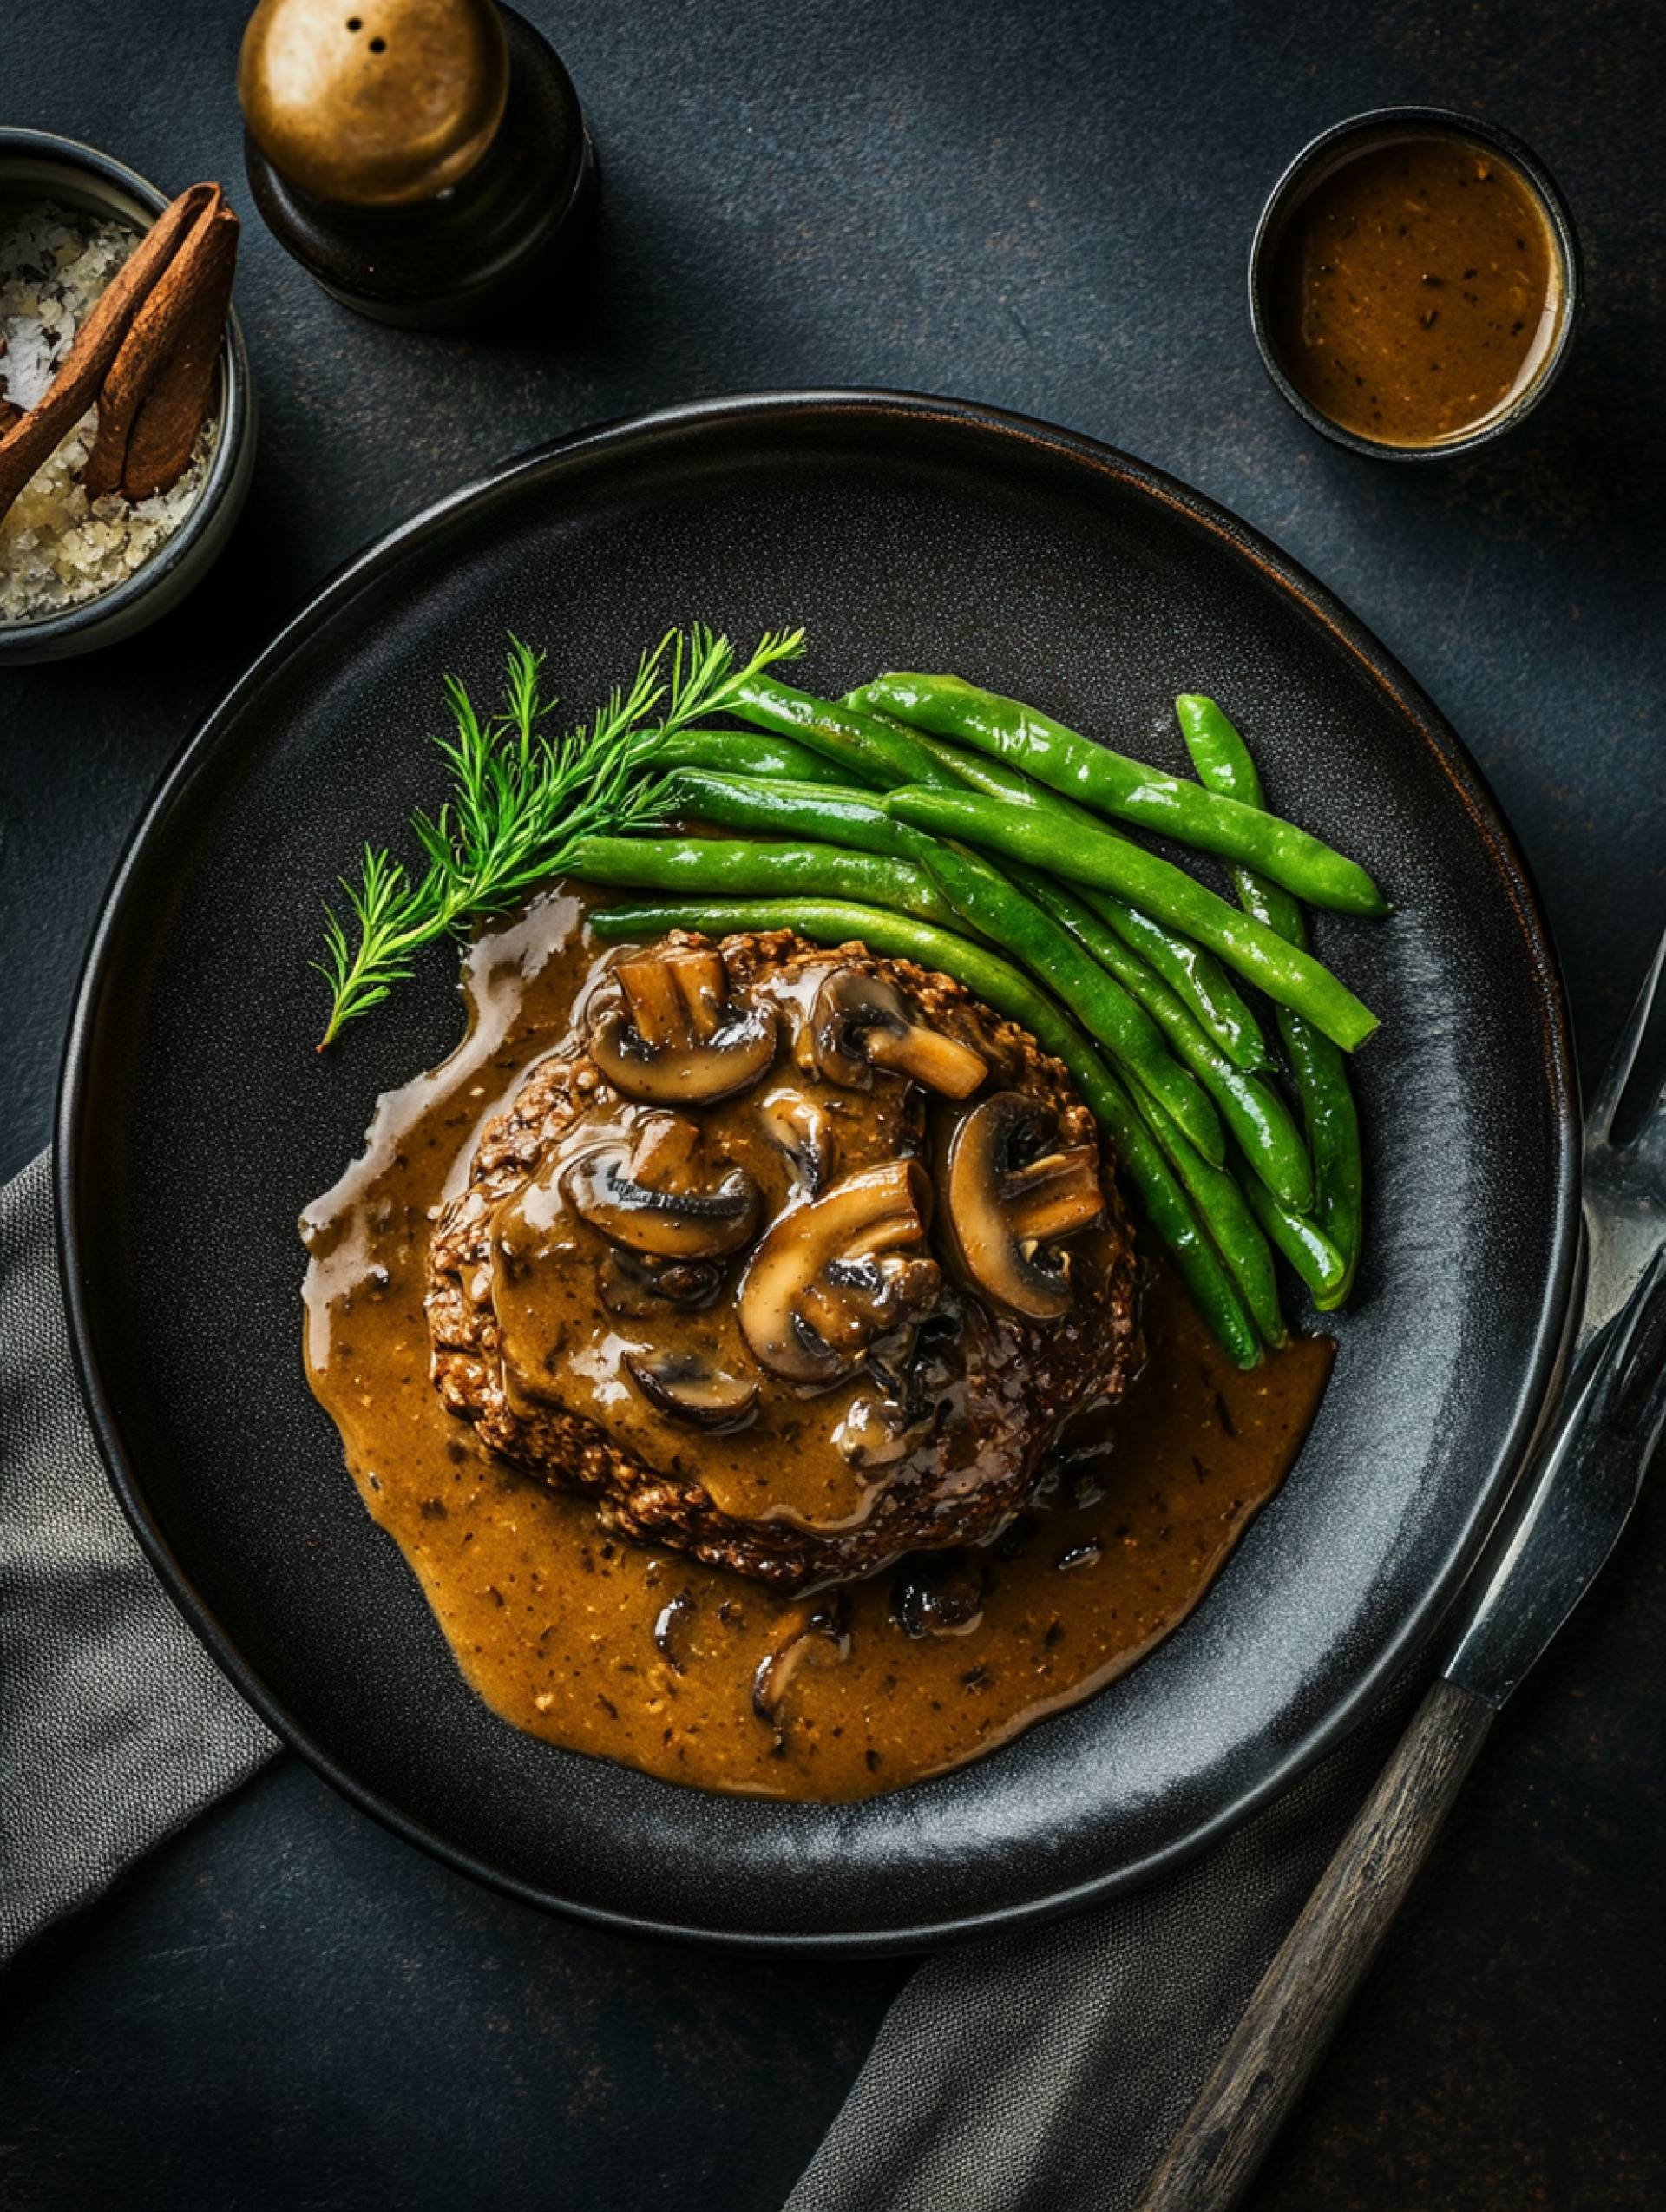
(1304, 1992)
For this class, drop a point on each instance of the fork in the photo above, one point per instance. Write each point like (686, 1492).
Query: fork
(1566, 1512)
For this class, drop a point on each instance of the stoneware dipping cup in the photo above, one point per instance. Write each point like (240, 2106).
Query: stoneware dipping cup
(1355, 137)
(37, 165)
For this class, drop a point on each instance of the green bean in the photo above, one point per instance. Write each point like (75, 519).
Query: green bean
(1223, 764)
(1108, 1011)
(1112, 783)
(1001, 985)
(1208, 1281)
(872, 751)
(833, 814)
(1225, 1213)
(701, 867)
(741, 752)
(1333, 1124)
(1098, 1002)
(1195, 976)
(1302, 1241)
(1111, 862)
(958, 766)
(1223, 761)
(957, 769)
(1254, 1112)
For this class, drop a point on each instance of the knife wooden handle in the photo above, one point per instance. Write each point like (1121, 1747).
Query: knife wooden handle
(1306, 1989)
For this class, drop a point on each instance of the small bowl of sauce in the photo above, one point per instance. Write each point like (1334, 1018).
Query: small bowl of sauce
(1413, 283)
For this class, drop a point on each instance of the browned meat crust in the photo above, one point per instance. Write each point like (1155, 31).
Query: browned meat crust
(1005, 1384)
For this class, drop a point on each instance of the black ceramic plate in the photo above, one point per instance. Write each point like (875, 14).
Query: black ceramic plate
(196, 1120)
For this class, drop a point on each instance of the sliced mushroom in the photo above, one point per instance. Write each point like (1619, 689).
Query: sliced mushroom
(939, 1593)
(853, 1300)
(803, 1133)
(673, 1033)
(876, 1431)
(859, 1023)
(634, 1287)
(683, 1385)
(654, 1192)
(891, 1366)
(823, 1619)
(672, 1632)
(1013, 1195)
(831, 1276)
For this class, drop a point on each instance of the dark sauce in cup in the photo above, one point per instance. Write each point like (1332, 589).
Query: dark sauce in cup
(1416, 289)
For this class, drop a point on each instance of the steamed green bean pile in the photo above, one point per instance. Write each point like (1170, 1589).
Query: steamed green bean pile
(977, 836)
(974, 834)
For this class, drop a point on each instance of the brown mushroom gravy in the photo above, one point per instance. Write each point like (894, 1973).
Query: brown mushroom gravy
(688, 1670)
(1416, 290)
(745, 1260)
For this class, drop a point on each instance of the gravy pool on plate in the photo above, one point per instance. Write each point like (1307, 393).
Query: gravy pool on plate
(692, 1672)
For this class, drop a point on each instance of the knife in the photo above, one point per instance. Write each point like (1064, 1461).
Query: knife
(1567, 1510)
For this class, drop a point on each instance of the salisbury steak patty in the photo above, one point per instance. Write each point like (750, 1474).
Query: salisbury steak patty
(794, 1259)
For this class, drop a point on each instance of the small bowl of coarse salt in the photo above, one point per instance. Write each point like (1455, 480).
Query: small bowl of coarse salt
(81, 565)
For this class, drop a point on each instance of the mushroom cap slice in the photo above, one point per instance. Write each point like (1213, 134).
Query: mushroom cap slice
(653, 1193)
(874, 1431)
(940, 1593)
(669, 1030)
(832, 1276)
(803, 1131)
(859, 1023)
(671, 1631)
(635, 1287)
(1012, 1194)
(683, 1385)
(822, 1619)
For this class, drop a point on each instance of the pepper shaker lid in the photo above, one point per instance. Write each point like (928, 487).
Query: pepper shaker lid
(426, 160)
(374, 102)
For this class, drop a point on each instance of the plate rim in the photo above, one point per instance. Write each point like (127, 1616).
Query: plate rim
(76, 1091)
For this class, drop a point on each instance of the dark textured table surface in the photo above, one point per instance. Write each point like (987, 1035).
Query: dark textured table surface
(1047, 207)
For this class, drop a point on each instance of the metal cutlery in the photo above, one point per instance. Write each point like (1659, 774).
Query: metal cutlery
(1568, 1508)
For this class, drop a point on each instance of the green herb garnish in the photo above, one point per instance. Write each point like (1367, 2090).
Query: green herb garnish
(519, 802)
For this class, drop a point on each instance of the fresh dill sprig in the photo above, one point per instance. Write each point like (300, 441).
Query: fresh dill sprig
(518, 801)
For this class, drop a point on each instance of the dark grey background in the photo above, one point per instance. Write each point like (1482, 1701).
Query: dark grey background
(1047, 207)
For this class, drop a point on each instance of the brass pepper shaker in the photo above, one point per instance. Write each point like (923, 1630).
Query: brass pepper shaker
(427, 160)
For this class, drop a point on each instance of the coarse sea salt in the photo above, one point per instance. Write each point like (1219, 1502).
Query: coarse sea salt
(58, 548)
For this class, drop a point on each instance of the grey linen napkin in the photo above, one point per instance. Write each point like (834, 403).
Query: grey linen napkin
(1046, 2072)
(116, 1725)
